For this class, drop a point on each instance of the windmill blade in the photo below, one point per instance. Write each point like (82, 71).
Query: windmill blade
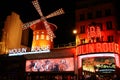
(56, 13)
(50, 32)
(28, 24)
(37, 7)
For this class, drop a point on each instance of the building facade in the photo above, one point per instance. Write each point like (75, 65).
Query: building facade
(97, 40)
(95, 55)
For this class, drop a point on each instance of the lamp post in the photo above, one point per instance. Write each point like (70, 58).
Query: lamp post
(75, 56)
(75, 32)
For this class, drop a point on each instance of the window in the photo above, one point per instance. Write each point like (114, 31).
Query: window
(98, 39)
(109, 25)
(42, 36)
(82, 41)
(47, 37)
(37, 37)
(89, 15)
(110, 39)
(107, 12)
(98, 14)
(82, 17)
(82, 29)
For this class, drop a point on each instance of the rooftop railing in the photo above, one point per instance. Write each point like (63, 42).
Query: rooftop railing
(68, 45)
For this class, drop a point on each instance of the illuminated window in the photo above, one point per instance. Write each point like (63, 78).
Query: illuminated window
(37, 37)
(110, 39)
(82, 41)
(82, 17)
(82, 29)
(107, 12)
(47, 37)
(51, 39)
(98, 14)
(89, 15)
(42, 36)
(109, 25)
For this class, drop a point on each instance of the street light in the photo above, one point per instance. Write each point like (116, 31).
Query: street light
(74, 31)
(75, 55)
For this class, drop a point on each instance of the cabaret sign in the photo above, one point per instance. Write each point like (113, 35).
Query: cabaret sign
(105, 68)
(23, 51)
(98, 47)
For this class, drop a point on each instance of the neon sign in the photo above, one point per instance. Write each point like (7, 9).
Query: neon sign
(97, 47)
(20, 50)
(99, 64)
(98, 55)
(106, 66)
(23, 51)
(94, 31)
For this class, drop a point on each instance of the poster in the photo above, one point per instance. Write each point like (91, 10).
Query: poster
(45, 65)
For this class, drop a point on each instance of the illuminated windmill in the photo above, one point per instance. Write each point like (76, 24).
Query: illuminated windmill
(42, 30)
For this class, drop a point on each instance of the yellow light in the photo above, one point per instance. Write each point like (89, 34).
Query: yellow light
(47, 37)
(74, 31)
(37, 37)
(42, 36)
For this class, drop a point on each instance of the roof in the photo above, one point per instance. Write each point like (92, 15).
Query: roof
(54, 53)
(41, 26)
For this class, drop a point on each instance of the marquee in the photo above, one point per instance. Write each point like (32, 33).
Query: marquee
(97, 47)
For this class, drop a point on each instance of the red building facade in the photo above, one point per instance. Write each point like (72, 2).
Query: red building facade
(97, 40)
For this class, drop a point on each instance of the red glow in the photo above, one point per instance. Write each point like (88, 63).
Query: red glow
(94, 31)
(117, 60)
(99, 55)
(97, 47)
(40, 39)
(41, 36)
(61, 64)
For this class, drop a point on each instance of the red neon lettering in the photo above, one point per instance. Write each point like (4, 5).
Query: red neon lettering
(98, 47)
(111, 47)
(78, 50)
(91, 48)
(98, 31)
(104, 47)
(82, 49)
(116, 48)
(92, 31)
(87, 48)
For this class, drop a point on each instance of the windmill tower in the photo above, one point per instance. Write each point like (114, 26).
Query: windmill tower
(42, 30)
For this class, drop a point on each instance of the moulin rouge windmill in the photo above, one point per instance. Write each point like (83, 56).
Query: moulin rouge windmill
(42, 30)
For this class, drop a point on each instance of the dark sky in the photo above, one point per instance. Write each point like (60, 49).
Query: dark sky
(27, 12)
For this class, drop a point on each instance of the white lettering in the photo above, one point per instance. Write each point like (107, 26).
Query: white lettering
(22, 51)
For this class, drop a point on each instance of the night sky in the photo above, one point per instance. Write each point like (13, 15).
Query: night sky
(65, 22)
(27, 12)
